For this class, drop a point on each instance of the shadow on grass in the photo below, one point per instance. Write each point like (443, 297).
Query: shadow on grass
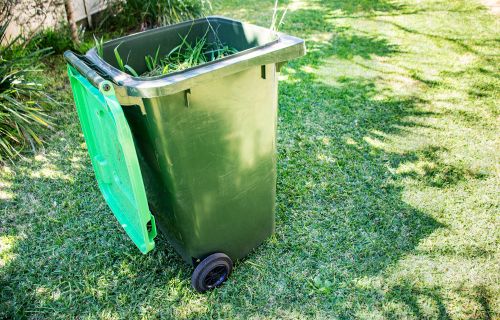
(67, 255)
(409, 295)
(466, 45)
(484, 298)
(415, 298)
(365, 6)
(341, 215)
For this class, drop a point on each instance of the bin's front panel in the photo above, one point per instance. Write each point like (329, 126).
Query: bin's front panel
(212, 155)
(112, 151)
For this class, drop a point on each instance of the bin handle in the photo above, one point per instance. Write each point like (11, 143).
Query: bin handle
(79, 64)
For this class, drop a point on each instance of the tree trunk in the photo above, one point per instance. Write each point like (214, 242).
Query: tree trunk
(68, 5)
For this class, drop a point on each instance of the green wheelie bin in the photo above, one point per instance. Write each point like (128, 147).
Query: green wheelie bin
(192, 153)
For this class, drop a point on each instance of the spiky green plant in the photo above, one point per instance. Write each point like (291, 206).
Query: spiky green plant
(145, 14)
(23, 100)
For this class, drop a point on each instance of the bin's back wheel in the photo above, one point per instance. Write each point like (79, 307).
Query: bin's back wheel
(211, 272)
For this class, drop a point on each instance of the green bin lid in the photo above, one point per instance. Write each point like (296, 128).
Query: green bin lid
(114, 158)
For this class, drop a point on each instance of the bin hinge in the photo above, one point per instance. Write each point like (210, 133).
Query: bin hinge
(187, 92)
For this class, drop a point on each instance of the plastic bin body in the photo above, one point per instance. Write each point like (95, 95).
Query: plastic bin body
(205, 138)
(210, 168)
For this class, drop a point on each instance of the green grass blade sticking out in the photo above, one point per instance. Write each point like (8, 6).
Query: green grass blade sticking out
(150, 62)
(99, 46)
(123, 66)
(118, 58)
(131, 70)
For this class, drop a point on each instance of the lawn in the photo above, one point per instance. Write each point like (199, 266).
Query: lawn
(388, 185)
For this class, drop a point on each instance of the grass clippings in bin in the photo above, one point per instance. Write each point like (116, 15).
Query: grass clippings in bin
(184, 56)
(187, 55)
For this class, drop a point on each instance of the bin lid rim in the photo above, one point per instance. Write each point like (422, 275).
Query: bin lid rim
(283, 48)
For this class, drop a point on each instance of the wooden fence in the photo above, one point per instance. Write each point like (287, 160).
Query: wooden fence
(29, 16)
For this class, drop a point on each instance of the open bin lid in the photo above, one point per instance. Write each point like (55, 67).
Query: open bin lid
(114, 158)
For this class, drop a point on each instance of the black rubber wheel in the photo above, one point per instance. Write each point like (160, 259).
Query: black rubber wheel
(211, 272)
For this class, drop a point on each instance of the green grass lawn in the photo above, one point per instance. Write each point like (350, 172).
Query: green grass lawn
(388, 185)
